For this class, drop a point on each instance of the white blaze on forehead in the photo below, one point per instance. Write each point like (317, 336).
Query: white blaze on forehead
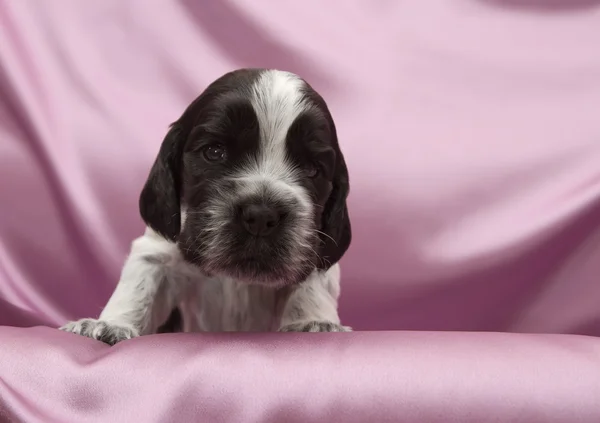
(277, 100)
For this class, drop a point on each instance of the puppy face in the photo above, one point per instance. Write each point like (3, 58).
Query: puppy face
(250, 181)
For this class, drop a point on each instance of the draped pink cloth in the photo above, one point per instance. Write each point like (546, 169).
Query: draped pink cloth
(471, 129)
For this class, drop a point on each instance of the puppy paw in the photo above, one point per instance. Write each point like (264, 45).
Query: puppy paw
(102, 331)
(315, 326)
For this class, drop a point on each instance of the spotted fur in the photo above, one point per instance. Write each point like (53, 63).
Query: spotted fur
(194, 260)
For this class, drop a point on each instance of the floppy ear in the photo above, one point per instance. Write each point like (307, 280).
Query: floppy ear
(159, 201)
(335, 221)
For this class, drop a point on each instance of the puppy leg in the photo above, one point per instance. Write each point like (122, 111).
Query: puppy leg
(312, 307)
(142, 299)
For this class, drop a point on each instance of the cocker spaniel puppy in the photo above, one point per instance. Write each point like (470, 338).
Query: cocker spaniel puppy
(245, 208)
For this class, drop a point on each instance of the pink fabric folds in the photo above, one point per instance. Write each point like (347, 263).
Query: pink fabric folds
(472, 133)
(396, 377)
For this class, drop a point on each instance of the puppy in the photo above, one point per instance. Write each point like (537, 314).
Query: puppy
(246, 218)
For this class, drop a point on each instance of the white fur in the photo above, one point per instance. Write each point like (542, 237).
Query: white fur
(277, 101)
(156, 278)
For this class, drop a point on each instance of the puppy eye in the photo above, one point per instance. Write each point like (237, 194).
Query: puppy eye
(312, 170)
(215, 153)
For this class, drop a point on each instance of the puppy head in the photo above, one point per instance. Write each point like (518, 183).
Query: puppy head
(250, 181)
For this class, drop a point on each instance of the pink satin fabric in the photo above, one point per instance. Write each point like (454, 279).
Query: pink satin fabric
(471, 130)
(395, 377)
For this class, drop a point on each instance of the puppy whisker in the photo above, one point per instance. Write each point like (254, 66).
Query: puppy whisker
(327, 236)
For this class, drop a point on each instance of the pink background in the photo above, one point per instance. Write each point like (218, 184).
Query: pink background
(471, 129)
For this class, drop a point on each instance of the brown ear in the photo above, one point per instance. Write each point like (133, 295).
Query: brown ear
(159, 201)
(335, 221)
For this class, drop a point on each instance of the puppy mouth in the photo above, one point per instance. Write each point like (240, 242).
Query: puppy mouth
(270, 262)
(261, 263)
(251, 276)
(257, 269)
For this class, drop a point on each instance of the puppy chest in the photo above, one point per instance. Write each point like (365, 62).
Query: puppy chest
(231, 306)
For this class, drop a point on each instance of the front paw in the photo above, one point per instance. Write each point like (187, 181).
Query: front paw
(315, 326)
(102, 331)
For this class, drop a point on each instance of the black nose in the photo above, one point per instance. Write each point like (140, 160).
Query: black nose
(259, 219)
